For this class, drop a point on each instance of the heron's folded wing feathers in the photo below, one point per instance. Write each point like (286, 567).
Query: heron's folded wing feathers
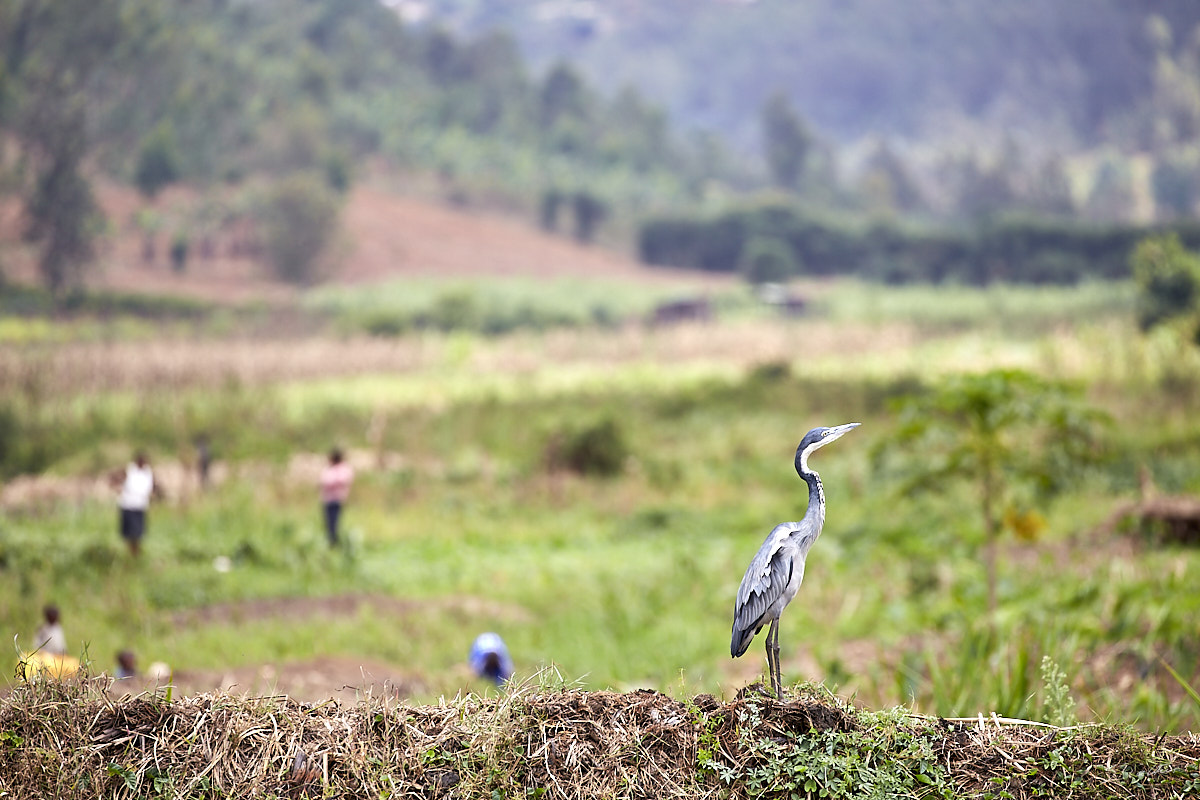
(764, 580)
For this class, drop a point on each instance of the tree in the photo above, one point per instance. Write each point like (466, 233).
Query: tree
(1050, 190)
(1015, 437)
(1112, 198)
(51, 53)
(158, 161)
(300, 219)
(1173, 182)
(767, 259)
(1168, 279)
(590, 211)
(787, 142)
(888, 184)
(62, 213)
(563, 96)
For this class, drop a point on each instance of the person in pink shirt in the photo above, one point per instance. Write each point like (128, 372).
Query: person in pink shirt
(335, 488)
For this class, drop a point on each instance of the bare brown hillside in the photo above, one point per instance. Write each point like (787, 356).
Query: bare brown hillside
(384, 235)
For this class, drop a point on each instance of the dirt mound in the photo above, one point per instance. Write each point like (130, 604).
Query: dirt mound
(71, 740)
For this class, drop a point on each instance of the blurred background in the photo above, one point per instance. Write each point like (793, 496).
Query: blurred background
(566, 282)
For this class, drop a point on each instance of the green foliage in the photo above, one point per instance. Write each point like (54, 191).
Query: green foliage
(1111, 198)
(300, 220)
(52, 57)
(768, 260)
(590, 212)
(1168, 278)
(871, 756)
(179, 252)
(1018, 438)
(598, 449)
(887, 184)
(63, 214)
(1174, 184)
(787, 142)
(1003, 250)
(1059, 706)
(857, 71)
(157, 161)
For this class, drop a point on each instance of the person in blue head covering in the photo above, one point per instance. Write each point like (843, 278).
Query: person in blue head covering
(489, 658)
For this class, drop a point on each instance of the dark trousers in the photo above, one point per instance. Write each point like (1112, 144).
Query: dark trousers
(333, 511)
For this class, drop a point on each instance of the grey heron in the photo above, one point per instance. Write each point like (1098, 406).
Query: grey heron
(775, 574)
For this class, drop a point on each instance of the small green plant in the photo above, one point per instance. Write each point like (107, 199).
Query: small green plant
(1058, 707)
(871, 755)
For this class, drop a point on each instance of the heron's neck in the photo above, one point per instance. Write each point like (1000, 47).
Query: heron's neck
(816, 498)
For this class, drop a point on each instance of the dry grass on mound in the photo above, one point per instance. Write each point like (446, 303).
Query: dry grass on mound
(71, 740)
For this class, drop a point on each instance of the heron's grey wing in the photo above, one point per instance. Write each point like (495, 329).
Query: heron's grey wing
(763, 584)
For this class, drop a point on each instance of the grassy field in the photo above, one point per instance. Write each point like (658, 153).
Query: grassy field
(459, 522)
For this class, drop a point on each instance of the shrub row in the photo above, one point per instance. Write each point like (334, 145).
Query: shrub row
(1017, 250)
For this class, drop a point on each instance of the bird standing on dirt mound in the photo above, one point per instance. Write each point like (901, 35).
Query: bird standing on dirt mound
(775, 574)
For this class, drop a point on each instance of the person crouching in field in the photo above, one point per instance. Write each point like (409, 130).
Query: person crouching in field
(335, 488)
(136, 489)
(489, 658)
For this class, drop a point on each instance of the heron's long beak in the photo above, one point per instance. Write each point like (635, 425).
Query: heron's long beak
(838, 431)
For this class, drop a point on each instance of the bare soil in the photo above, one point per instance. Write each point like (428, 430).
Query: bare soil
(384, 236)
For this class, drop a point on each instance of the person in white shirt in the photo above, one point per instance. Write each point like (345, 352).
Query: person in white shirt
(49, 637)
(134, 500)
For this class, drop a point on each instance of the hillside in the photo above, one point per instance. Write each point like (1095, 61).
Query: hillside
(1059, 73)
(71, 741)
(383, 236)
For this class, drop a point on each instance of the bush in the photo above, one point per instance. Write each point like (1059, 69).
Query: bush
(158, 161)
(598, 449)
(300, 219)
(179, 252)
(767, 259)
(1168, 279)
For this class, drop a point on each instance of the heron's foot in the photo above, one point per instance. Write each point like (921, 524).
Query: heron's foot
(756, 688)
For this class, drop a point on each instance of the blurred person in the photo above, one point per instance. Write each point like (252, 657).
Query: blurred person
(335, 488)
(203, 460)
(136, 490)
(49, 637)
(126, 665)
(489, 658)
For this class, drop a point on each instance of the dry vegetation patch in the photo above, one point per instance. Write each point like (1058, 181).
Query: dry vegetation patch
(72, 740)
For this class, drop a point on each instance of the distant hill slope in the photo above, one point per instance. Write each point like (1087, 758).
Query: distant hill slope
(855, 67)
(383, 236)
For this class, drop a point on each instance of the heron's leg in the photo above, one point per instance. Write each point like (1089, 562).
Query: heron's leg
(773, 655)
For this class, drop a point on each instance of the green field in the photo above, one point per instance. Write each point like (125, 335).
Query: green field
(623, 581)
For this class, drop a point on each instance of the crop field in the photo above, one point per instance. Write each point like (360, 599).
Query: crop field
(465, 516)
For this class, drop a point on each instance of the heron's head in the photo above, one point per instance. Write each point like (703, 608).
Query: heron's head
(817, 438)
